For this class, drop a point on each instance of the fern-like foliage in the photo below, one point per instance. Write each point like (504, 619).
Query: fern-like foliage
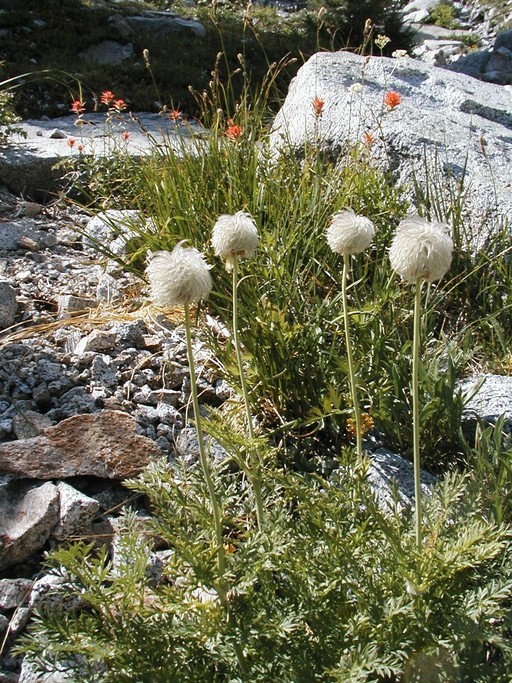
(331, 589)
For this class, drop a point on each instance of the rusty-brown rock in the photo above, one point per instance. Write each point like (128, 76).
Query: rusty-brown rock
(103, 444)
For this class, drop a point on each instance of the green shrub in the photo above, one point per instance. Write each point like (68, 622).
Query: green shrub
(331, 590)
(444, 14)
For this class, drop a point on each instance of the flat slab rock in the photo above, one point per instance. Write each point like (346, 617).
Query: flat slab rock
(103, 444)
(27, 162)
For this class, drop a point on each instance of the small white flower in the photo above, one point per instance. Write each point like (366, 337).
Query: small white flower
(421, 250)
(234, 236)
(179, 277)
(400, 54)
(355, 88)
(350, 233)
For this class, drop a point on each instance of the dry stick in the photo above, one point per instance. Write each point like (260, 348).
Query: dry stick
(353, 386)
(253, 467)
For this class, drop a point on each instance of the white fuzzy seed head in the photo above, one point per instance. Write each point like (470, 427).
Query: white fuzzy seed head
(234, 236)
(179, 277)
(421, 249)
(349, 233)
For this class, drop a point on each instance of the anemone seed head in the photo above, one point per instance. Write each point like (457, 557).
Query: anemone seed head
(179, 277)
(421, 249)
(349, 233)
(234, 236)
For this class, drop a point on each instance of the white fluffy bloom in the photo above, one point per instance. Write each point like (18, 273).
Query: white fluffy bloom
(355, 88)
(179, 277)
(349, 233)
(234, 236)
(421, 250)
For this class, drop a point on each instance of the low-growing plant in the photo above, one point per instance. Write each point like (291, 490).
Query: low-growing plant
(490, 458)
(443, 14)
(333, 588)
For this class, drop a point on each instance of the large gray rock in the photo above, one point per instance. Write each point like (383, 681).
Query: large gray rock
(447, 128)
(103, 444)
(108, 52)
(490, 397)
(486, 65)
(388, 472)
(8, 305)
(27, 518)
(28, 162)
(77, 511)
(164, 24)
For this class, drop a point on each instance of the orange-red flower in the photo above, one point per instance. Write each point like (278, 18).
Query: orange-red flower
(107, 96)
(80, 147)
(175, 115)
(318, 107)
(119, 105)
(125, 134)
(368, 138)
(71, 142)
(392, 99)
(234, 131)
(77, 107)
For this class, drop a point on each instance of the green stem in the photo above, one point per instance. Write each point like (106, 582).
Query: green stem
(416, 409)
(202, 451)
(254, 468)
(222, 590)
(351, 372)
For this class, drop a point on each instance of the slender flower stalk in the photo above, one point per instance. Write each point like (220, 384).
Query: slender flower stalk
(255, 471)
(234, 237)
(202, 450)
(350, 361)
(180, 278)
(420, 251)
(350, 234)
(416, 344)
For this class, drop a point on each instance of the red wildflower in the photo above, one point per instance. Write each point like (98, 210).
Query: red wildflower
(125, 134)
(71, 142)
(80, 147)
(175, 115)
(392, 99)
(233, 131)
(119, 105)
(318, 107)
(106, 97)
(77, 107)
(368, 138)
